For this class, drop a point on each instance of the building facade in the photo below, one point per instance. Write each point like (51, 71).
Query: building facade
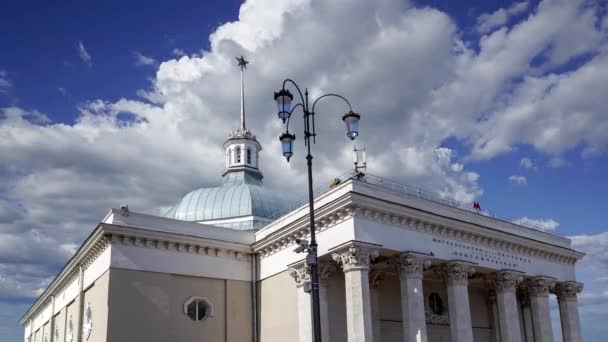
(395, 266)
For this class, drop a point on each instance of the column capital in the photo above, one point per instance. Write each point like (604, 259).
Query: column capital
(300, 272)
(568, 290)
(539, 286)
(506, 281)
(458, 272)
(355, 255)
(376, 277)
(413, 264)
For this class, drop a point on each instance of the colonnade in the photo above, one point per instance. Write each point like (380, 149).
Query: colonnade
(362, 303)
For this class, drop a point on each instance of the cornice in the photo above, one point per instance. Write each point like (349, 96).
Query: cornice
(353, 204)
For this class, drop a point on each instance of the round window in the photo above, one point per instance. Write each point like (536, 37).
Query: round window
(436, 304)
(198, 309)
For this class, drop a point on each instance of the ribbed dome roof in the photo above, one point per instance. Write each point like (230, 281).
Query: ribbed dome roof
(242, 194)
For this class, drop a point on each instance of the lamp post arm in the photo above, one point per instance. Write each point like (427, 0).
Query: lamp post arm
(292, 110)
(332, 95)
(297, 88)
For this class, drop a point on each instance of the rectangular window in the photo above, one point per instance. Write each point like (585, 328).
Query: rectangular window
(238, 154)
(248, 156)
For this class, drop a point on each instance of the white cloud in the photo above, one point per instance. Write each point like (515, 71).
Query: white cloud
(546, 225)
(143, 60)
(84, 55)
(528, 164)
(556, 162)
(489, 21)
(518, 180)
(178, 52)
(5, 82)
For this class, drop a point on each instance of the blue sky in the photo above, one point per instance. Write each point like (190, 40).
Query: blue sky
(110, 102)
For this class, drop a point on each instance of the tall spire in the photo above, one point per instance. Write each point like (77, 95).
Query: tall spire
(243, 64)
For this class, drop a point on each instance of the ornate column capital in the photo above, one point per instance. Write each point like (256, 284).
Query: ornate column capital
(568, 290)
(355, 255)
(458, 272)
(413, 264)
(300, 272)
(506, 281)
(539, 286)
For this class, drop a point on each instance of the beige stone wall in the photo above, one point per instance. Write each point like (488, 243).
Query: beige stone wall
(337, 306)
(60, 324)
(278, 309)
(97, 296)
(147, 306)
(72, 313)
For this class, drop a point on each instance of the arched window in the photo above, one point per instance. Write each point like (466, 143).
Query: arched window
(436, 304)
(198, 309)
(249, 156)
(238, 154)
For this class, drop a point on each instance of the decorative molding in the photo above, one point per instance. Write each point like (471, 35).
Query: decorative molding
(325, 271)
(301, 229)
(376, 277)
(355, 256)
(458, 272)
(432, 318)
(300, 272)
(177, 246)
(567, 290)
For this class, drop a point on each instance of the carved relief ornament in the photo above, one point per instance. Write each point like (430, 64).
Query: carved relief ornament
(458, 272)
(568, 290)
(506, 281)
(355, 257)
(300, 272)
(412, 265)
(539, 286)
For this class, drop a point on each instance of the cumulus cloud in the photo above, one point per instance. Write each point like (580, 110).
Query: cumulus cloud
(489, 21)
(143, 60)
(84, 55)
(518, 180)
(528, 164)
(178, 52)
(546, 225)
(406, 70)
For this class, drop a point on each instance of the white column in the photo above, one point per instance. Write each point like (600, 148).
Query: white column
(493, 311)
(457, 279)
(568, 310)
(508, 315)
(412, 298)
(325, 270)
(355, 261)
(375, 279)
(538, 293)
(301, 274)
(526, 316)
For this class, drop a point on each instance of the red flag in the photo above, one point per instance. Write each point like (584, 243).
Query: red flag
(476, 206)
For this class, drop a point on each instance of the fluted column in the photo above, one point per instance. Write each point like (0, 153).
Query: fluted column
(493, 310)
(355, 261)
(508, 315)
(325, 270)
(568, 310)
(301, 274)
(375, 279)
(412, 298)
(457, 278)
(538, 293)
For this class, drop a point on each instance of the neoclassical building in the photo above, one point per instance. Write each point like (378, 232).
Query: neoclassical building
(395, 266)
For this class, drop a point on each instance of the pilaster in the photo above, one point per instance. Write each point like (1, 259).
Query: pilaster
(567, 293)
(325, 271)
(457, 279)
(355, 258)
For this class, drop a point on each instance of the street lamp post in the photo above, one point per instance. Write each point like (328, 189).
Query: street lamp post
(284, 98)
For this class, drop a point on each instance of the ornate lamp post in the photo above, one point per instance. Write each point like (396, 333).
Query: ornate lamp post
(284, 98)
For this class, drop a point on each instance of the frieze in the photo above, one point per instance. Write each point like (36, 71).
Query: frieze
(476, 254)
